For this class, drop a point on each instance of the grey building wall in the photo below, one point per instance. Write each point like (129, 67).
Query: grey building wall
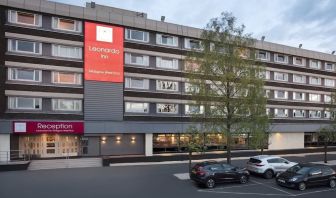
(5, 126)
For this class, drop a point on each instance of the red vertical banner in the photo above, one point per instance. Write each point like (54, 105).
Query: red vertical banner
(103, 53)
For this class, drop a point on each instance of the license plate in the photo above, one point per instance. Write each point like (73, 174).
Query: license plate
(281, 180)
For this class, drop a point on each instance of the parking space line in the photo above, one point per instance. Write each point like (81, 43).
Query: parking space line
(295, 195)
(273, 188)
(242, 193)
(227, 187)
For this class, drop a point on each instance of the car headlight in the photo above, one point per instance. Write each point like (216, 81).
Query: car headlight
(293, 179)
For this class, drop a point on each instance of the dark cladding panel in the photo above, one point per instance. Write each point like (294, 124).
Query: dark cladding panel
(103, 101)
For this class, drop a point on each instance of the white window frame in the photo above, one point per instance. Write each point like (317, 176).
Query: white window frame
(188, 46)
(266, 75)
(128, 59)
(144, 110)
(311, 97)
(188, 112)
(56, 49)
(267, 93)
(77, 25)
(276, 92)
(314, 112)
(329, 84)
(188, 87)
(159, 63)
(11, 49)
(327, 98)
(13, 103)
(276, 56)
(77, 78)
(317, 62)
(304, 78)
(57, 101)
(301, 99)
(162, 104)
(267, 54)
(285, 76)
(159, 40)
(159, 87)
(14, 71)
(328, 114)
(319, 80)
(302, 113)
(128, 34)
(276, 110)
(13, 18)
(128, 83)
(303, 61)
(332, 66)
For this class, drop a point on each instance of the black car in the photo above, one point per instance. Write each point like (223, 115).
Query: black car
(302, 176)
(210, 173)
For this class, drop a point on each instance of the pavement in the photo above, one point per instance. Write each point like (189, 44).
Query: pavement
(156, 180)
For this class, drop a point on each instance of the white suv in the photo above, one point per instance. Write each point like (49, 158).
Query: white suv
(268, 165)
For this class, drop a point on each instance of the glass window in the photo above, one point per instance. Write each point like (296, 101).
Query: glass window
(328, 114)
(66, 78)
(298, 96)
(136, 107)
(24, 18)
(66, 51)
(265, 75)
(137, 35)
(263, 55)
(298, 113)
(191, 66)
(25, 103)
(280, 76)
(164, 85)
(136, 59)
(20, 74)
(192, 44)
(314, 80)
(167, 108)
(136, 83)
(297, 78)
(194, 109)
(67, 105)
(329, 82)
(23, 46)
(168, 40)
(314, 114)
(280, 58)
(315, 97)
(315, 64)
(299, 61)
(327, 98)
(281, 113)
(267, 93)
(281, 94)
(168, 63)
(191, 88)
(66, 24)
(329, 66)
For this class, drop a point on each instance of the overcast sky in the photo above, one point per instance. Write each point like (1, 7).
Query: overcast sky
(289, 22)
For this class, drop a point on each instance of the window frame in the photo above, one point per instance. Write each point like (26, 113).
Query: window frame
(159, 40)
(37, 18)
(311, 78)
(317, 62)
(301, 82)
(188, 46)
(188, 112)
(276, 56)
(332, 65)
(10, 46)
(128, 59)
(285, 94)
(303, 64)
(176, 107)
(77, 24)
(13, 105)
(159, 88)
(319, 112)
(11, 70)
(128, 83)
(331, 80)
(302, 115)
(56, 49)
(128, 35)
(276, 110)
(285, 75)
(267, 54)
(57, 101)
(175, 63)
(311, 95)
(145, 105)
(303, 96)
(77, 77)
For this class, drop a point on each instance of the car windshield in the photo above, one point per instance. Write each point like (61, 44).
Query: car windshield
(299, 169)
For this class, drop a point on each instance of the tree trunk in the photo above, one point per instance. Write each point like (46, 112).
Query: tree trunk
(228, 148)
(325, 152)
(262, 150)
(190, 154)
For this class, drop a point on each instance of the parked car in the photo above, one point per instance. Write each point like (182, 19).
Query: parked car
(210, 173)
(268, 165)
(302, 176)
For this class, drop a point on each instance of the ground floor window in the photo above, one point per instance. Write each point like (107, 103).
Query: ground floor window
(211, 142)
(312, 139)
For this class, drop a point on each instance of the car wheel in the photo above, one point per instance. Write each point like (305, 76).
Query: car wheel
(268, 174)
(210, 183)
(302, 186)
(243, 179)
(332, 183)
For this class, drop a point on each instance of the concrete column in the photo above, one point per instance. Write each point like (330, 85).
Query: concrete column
(4, 147)
(149, 144)
(279, 141)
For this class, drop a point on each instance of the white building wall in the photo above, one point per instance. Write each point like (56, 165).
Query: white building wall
(149, 144)
(278, 141)
(4, 147)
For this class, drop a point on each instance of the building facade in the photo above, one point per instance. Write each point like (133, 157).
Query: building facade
(97, 80)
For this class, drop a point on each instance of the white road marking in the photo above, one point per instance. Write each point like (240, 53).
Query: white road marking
(182, 176)
(241, 193)
(273, 187)
(295, 195)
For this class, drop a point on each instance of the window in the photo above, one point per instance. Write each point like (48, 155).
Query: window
(137, 35)
(263, 55)
(329, 82)
(298, 96)
(25, 74)
(66, 24)
(136, 107)
(164, 85)
(167, 63)
(268, 111)
(315, 97)
(191, 66)
(66, 51)
(136, 83)
(136, 59)
(281, 94)
(297, 78)
(194, 109)
(168, 40)
(167, 108)
(328, 115)
(314, 80)
(315, 64)
(281, 113)
(191, 88)
(192, 44)
(327, 98)
(298, 113)
(265, 75)
(280, 76)
(267, 93)
(329, 66)
(66, 105)
(299, 61)
(280, 58)
(314, 114)
(24, 18)
(23, 46)
(66, 78)
(25, 103)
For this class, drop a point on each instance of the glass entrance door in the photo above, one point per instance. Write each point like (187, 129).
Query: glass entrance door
(50, 146)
